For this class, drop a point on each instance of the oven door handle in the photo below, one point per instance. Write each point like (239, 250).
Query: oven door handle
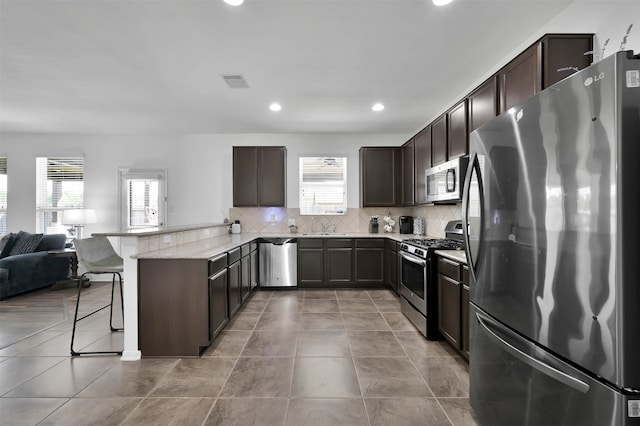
(413, 259)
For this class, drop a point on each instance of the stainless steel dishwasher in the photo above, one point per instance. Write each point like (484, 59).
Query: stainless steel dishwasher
(278, 262)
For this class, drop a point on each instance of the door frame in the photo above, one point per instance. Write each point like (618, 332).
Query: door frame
(130, 173)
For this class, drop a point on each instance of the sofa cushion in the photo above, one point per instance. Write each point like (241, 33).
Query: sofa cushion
(7, 244)
(25, 243)
(52, 242)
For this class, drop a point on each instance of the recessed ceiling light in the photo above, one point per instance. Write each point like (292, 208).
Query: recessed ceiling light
(234, 2)
(275, 106)
(377, 107)
(439, 2)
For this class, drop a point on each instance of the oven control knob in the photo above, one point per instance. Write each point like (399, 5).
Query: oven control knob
(419, 252)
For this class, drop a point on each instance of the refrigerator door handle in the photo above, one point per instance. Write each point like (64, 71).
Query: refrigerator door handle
(473, 167)
(542, 367)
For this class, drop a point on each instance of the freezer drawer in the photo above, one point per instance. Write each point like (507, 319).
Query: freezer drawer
(515, 382)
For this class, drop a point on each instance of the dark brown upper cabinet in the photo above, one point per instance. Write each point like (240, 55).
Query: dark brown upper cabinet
(549, 60)
(380, 176)
(439, 140)
(422, 163)
(259, 176)
(483, 105)
(521, 78)
(458, 143)
(563, 55)
(408, 173)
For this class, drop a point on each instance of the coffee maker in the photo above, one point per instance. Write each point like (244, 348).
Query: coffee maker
(406, 224)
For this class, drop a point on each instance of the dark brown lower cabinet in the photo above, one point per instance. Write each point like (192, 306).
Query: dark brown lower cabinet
(245, 277)
(370, 261)
(464, 317)
(342, 262)
(218, 307)
(449, 309)
(310, 262)
(453, 303)
(339, 262)
(234, 292)
(253, 261)
(173, 310)
(391, 263)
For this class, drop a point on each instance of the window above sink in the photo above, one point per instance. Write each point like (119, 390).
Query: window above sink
(323, 186)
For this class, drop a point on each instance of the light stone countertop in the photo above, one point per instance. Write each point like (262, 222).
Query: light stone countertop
(150, 232)
(457, 255)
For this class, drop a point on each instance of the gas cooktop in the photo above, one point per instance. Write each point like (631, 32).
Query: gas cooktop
(435, 243)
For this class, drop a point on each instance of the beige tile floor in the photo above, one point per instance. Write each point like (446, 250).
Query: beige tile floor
(329, 357)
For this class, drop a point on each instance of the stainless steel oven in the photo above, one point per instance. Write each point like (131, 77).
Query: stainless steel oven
(413, 277)
(418, 282)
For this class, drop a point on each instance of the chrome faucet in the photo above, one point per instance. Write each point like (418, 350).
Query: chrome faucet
(326, 228)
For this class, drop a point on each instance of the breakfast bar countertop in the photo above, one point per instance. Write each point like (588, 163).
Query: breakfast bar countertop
(210, 247)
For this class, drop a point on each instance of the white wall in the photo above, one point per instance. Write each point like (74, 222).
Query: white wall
(608, 20)
(199, 169)
(199, 166)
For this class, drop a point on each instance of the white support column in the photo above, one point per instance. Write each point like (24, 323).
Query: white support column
(128, 248)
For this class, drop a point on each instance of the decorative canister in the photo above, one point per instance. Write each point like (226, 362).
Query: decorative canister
(418, 226)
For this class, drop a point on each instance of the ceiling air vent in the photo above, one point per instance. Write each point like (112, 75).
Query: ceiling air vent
(235, 81)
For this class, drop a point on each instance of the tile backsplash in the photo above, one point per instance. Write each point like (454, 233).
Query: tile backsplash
(276, 219)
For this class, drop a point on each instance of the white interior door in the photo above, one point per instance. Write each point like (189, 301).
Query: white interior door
(143, 198)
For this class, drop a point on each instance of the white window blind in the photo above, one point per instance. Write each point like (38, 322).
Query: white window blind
(323, 185)
(3, 195)
(59, 186)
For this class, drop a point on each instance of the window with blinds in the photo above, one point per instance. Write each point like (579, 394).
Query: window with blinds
(59, 186)
(3, 195)
(323, 185)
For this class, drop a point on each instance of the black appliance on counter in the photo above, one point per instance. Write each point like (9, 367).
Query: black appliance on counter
(419, 281)
(406, 224)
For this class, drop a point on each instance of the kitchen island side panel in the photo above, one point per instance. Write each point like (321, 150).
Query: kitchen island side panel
(173, 305)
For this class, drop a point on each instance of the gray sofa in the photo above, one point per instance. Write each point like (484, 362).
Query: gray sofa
(25, 264)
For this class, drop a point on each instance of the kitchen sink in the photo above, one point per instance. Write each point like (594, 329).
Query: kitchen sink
(321, 234)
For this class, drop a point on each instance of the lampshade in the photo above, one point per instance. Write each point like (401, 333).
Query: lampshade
(79, 217)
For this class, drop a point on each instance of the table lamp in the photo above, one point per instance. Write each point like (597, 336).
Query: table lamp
(76, 219)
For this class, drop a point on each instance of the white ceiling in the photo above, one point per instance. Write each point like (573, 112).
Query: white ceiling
(154, 66)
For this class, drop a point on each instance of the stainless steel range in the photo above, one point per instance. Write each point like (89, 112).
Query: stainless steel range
(418, 278)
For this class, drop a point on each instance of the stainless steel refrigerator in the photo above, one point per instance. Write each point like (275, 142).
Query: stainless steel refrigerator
(551, 211)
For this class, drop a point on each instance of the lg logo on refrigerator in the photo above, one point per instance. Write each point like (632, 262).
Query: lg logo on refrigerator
(589, 81)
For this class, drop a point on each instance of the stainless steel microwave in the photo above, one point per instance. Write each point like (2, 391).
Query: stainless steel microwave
(444, 182)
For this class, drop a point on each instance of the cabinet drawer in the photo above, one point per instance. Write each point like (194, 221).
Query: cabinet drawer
(217, 264)
(253, 246)
(233, 255)
(339, 242)
(465, 274)
(449, 268)
(244, 250)
(310, 243)
(370, 242)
